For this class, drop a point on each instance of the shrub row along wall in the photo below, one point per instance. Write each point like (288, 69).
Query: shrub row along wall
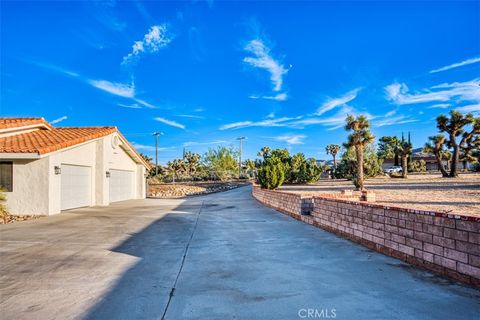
(444, 243)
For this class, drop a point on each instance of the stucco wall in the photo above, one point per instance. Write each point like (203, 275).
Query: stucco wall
(37, 189)
(30, 187)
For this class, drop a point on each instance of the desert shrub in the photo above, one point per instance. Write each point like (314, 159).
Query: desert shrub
(372, 164)
(309, 172)
(3, 206)
(271, 174)
(417, 166)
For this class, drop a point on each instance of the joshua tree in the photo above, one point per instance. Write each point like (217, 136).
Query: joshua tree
(359, 138)
(264, 152)
(176, 167)
(435, 146)
(192, 162)
(454, 127)
(469, 144)
(333, 150)
(405, 151)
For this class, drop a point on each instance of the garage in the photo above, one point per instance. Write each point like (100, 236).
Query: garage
(76, 182)
(121, 185)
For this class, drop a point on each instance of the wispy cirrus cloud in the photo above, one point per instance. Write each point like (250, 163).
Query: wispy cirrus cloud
(335, 121)
(58, 120)
(291, 138)
(459, 91)
(456, 65)
(280, 122)
(123, 90)
(148, 148)
(196, 143)
(262, 58)
(192, 116)
(336, 102)
(170, 122)
(278, 97)
(130, 106)
(474, 108)
(155, 39)
(115, 88)
(388, 121)
(439, 106)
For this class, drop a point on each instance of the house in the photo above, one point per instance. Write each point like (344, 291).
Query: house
(417, 155)
(45, 170)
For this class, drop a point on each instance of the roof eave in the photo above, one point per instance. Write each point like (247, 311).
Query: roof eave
(19, 155)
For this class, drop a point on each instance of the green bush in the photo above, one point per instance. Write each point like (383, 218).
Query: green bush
(372, 165)
(309, 172)
(271, 174)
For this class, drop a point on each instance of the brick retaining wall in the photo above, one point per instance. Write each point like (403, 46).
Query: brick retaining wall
(444, 243)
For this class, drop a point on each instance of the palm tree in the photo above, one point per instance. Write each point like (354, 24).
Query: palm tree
(435, 146)
(454, 127)
(359, 138)
(333, 150)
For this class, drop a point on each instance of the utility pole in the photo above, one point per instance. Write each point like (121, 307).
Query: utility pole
(156, 134)
(240, 157)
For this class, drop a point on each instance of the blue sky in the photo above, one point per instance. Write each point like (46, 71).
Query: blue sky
(282, 74)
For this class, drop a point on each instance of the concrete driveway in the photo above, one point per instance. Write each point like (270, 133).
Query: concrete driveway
(221, 256)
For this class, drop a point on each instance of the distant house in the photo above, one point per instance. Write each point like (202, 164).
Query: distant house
(45, 170)
(418, 154)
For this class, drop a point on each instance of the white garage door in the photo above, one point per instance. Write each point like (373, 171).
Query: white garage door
(121, 185)
(76, 187)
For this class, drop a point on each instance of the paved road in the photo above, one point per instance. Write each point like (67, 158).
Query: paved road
(225, 255)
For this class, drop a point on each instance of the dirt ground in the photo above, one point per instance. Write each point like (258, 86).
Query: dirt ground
(424, 192)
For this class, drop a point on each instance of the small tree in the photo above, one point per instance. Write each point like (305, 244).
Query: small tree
(271, 174)
(454, 127)
(435, 146)
(405, 151)
(358, 139)
(388, 148)
(333, 150)
(222, 162)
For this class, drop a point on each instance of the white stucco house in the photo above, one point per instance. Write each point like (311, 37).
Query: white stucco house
(45, 170)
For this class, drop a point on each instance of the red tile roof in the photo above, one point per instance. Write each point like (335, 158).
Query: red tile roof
(6, 123)
(50, 139)
(46, 141)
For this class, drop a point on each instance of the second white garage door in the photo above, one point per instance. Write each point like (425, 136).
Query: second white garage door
(121, 185)
(76, 183)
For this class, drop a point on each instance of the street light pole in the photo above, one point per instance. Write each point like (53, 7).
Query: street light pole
(240, 157)
(156, 134)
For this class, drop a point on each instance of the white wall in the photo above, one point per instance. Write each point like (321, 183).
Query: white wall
(30, 187)
(37, 189)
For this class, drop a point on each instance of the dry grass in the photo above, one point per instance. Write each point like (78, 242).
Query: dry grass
(424, 192)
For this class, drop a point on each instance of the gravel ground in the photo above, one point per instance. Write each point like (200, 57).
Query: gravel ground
(424, 192)
(181, 190)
